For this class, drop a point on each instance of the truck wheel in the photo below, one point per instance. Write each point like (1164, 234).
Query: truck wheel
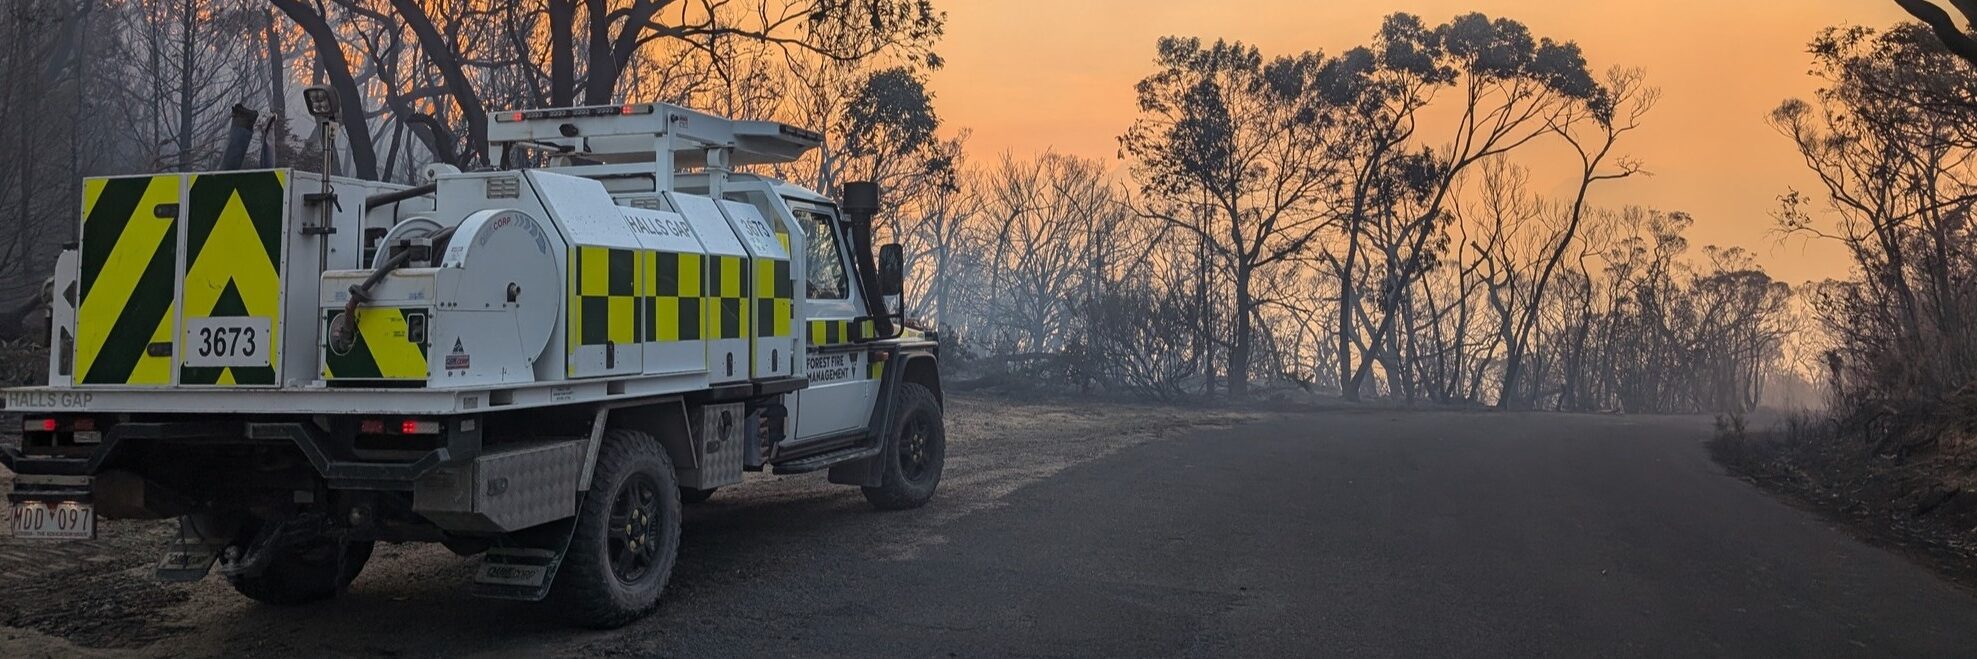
(912, 460)
(307, 573)
(627, 536)
(689, 495)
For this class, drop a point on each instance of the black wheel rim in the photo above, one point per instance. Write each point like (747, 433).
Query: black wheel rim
(917, 446)
(635, 529)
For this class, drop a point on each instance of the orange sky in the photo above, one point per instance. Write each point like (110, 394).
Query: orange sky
(1026, 75)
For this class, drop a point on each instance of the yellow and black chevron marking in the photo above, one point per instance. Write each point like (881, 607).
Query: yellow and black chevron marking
(727, 298)
(835, 332)
(775, 303)
(385, 348)
(233, 233)
(604, 292)
(129, 261)
(673, 297)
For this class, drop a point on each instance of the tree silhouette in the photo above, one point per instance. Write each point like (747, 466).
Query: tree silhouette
(1954, 37)
(483, 55)
(1250, 139)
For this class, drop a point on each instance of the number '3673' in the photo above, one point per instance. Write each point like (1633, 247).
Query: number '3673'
(227, 341)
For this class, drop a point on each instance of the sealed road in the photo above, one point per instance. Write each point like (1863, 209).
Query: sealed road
(1155, 533)
(1375, 534)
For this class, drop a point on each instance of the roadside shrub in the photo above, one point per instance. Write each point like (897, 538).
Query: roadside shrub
(23, 362)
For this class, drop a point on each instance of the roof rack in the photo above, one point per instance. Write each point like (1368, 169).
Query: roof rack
(668, 136)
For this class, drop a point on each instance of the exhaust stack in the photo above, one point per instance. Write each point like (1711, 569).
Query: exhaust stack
(240, 134)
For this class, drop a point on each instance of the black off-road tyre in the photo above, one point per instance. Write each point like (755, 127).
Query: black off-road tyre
(692, 496)
(304, 574)
(915, 452)
(627, 536)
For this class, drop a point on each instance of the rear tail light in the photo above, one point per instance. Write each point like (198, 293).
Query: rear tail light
(398, 427)
(83, 424)
(38, 425)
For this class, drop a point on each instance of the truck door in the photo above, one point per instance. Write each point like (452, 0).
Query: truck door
(841, 389)
(127, 317)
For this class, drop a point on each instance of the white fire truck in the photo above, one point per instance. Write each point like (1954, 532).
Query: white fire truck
(535, 365)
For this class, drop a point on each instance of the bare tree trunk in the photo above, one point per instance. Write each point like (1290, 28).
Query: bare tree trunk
(1348, 304)
(601, 74)
(333, 65)
(1206, 351)
(1239, 345)
(442, 56)
(189, 23)
(562, 54)
(277, 69)
(392, 151)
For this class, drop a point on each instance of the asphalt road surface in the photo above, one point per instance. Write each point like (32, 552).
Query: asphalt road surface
(1152, 533)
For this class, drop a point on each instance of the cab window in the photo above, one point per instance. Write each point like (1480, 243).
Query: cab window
(825, 255)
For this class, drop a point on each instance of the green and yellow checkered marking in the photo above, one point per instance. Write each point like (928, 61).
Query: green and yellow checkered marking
(775, 302)
(604, 296)
(727, 298)
(828, 332)
(837, 332)
(675, 303)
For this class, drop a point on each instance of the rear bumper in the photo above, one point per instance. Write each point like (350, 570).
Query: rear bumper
(70, 477)
(51, 488)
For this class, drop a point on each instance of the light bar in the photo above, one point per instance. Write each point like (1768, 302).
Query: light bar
(800, 133)
(574, 113)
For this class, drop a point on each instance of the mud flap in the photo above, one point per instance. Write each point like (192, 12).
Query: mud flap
(522, 565)
(191, 555)
(869, 472)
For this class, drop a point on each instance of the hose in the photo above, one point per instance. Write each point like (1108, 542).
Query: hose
(396, 196)
(343, 332)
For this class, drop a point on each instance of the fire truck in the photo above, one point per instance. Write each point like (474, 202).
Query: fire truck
(537, 364)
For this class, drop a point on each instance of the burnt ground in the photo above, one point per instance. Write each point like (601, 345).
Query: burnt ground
(99, 596)
(1922, 504)
(1116, 530)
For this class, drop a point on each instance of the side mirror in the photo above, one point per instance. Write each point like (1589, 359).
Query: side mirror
(892, 270)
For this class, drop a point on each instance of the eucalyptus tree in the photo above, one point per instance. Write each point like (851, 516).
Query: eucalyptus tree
(1593, 130)
(1953, 36)
(183, 64)
(52, 56)
(1509, 89)
(1249, 143)
(1889, 139)
(570, 52)
(1380, 90)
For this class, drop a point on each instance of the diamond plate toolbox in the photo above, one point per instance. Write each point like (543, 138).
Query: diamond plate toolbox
(718, 448)
(507, 490)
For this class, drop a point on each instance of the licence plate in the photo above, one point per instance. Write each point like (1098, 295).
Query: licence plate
(35, 520)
